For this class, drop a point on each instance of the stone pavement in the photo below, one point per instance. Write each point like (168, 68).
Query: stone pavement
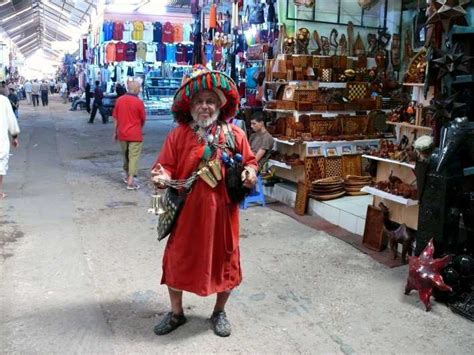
(80, 266)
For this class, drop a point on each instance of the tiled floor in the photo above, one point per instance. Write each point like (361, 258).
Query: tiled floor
(346, 212)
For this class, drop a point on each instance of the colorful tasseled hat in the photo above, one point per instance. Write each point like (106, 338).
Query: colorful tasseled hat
(204, 79)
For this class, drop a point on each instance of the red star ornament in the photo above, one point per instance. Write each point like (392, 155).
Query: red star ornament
(424, 274)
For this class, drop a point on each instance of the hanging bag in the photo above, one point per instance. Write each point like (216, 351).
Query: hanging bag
(172, 201)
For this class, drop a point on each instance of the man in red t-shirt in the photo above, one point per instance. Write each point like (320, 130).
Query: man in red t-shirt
(129, 117)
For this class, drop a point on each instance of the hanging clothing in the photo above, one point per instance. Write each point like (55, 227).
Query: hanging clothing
(177, 32)
(168, 33)
(120, 49)
(8, 126)
(181, 54)
(170, 53)
(187, 32)
(118, 31)
(202, 254)
(127, 31)
(137, 34)
(147, 31)
(157, 32)
(160, 52)
(130, 51)
(110, 51)
(107, 28)
(151, 52)
(141, 51)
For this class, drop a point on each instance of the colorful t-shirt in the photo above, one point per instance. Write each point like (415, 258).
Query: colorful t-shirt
(157, 32)
(177, 32)
(120, 49)
(170, 53)
(151, 52)
(148, 32)
(130, 51)
(118, 31)
(127, 31)
(107, 28)
(187, 33)
(181, 54)
(141, 50)
(160, 52)
(168, 33)
(137, 34)
(189, 53)
(110, 52)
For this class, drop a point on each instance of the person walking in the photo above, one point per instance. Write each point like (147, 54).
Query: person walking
(35, 92)
(63, 92)
(88, 97)
(52, 86)
(15, 102)
(129, 118)
(8, 127)
(97, 105)
(44, 93)
(202, 254)
(28, 88)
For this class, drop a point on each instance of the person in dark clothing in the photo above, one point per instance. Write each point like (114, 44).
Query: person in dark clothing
(120, 90)
(88, 97)
(44, 93)
(14, 101)
(97, 105)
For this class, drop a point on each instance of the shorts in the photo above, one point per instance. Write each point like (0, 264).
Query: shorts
(4, 164)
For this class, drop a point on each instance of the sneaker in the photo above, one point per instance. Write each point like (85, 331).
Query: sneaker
(133, 187)
(220, 324)
(169, 323)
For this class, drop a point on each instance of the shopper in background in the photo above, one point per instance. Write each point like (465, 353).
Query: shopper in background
(97, 105)
(120, 89)
(8, 127)
(88, 97)
(14, 101)
(129, 118)
(44, 87)
(63, 92)
(202, 255)
(35, 92)
(3, 88)
(52, 86)
(28, 87)
(261, 141)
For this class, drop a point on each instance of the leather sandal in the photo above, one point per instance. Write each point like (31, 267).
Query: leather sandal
(169, 323)
(220, 324)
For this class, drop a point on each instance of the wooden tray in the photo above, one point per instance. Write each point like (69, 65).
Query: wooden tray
(373, 231)
(328, 197)
(302, 196)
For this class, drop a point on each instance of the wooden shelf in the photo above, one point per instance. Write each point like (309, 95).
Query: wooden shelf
(321, 84)
(327, 114)
(408, 125)
(412, 166)
(388, 196)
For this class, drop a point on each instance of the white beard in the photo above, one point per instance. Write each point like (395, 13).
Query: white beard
(205, 123)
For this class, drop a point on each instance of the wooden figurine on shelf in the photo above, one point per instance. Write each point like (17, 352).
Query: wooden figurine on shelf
(395, 52)
(302, 41)
(333, 40)
(350, 38)
(342, 46)
(371, 45)
(325, 45)
(358, 48)
(289, 45)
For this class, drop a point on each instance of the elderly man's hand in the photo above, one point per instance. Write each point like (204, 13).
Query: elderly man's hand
(249, 177)
(159, 176)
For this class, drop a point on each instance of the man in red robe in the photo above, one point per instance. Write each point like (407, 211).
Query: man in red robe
(202, 255)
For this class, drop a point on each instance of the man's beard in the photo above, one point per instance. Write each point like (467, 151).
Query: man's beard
(205, 123)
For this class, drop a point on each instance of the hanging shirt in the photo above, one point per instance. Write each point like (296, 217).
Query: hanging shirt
(138, 28)
(177, 32)
(189, 53)
(120, 49)
(107, 28)
(208, 49)
(110, 52)
(157, 32)
(151, 52)
(160, 52)
(170, 53)
(127, 31)
(187, 33)
(118, 31)
(213, 16)
(141, 50)
(147, 32)
(130, 51)
(181, 54)
(168, 33)
(104, 75)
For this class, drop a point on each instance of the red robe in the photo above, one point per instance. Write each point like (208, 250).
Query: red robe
(202, 253)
